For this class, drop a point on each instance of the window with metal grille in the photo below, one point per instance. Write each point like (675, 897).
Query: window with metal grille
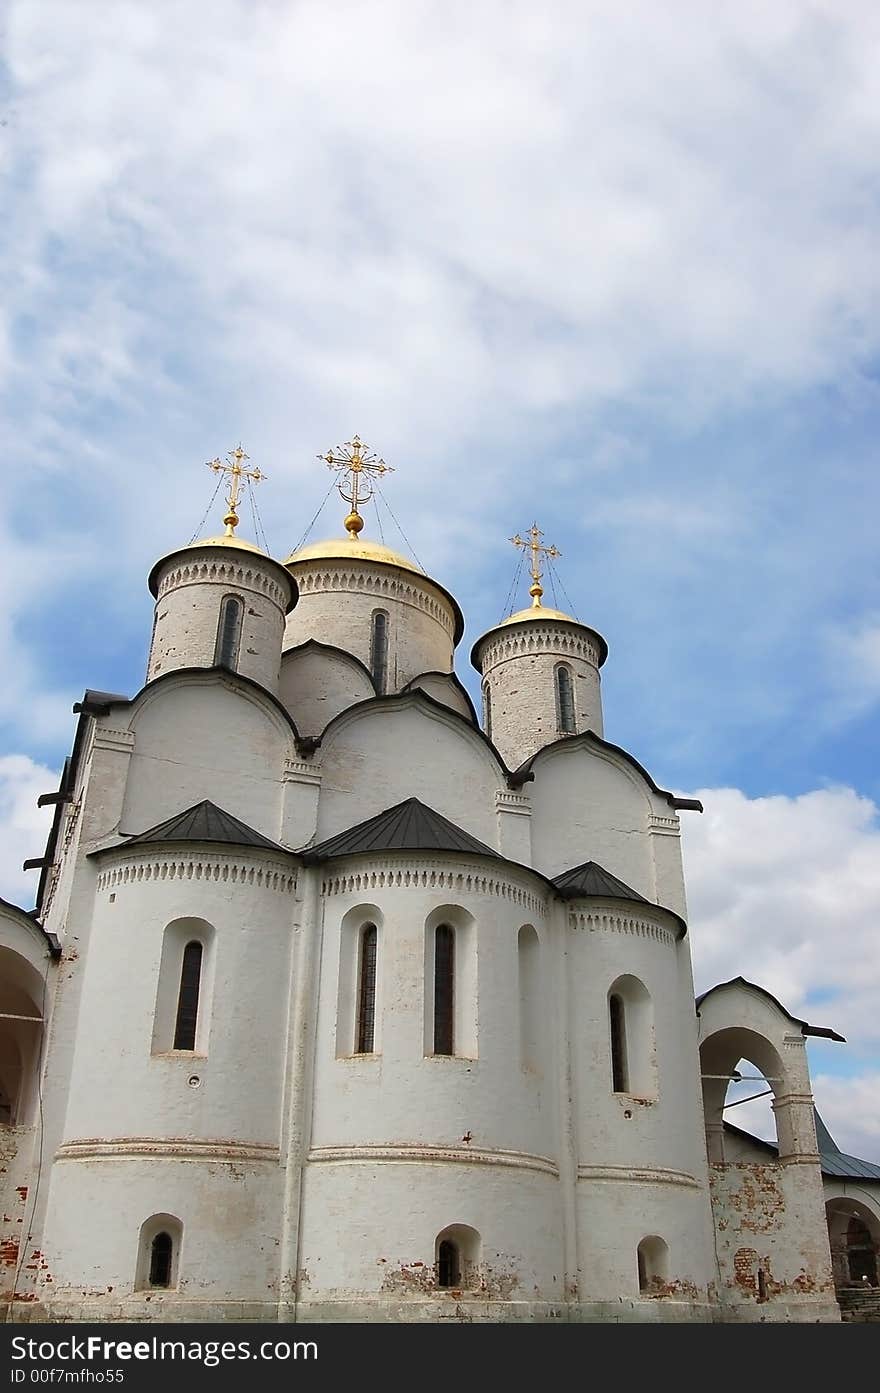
(366, 1013)
(161, 1253)
(444, 989)
(564, 701)
(617, 1021)
(448, 1264)
(229, 632)
(188, 1000)
(487, 710)
(379, 649)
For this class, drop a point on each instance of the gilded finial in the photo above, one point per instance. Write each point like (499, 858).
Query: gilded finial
(356, 460)
(236, 471)
(532, 542)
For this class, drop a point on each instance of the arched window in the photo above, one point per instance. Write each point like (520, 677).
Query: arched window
(653, 1264)
(617, 1022)
(161, 1252)
(228, 632)
(529, 963)
(444, 989)
(564, 700)
(158, 1253)
(487, 709)
(188, 997)
(457, 1257)
(366, 1007)
(379, 649)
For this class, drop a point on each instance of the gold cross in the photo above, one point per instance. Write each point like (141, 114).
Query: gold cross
(532, 542)
(237, 472)
(355, 459)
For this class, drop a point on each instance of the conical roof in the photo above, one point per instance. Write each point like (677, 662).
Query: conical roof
(408, 826)
(204, 822)
(593, 879)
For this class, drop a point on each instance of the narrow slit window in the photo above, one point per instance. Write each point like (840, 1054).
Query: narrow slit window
(379, 649)
(564, 701)
(366, 1018)
(229, 632)
(444, 989)
(161, 1252)
(188, 999)
(617, 1021)
(487, 710)
(448, 1264)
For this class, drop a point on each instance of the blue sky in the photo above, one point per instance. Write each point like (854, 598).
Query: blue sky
(610, 267)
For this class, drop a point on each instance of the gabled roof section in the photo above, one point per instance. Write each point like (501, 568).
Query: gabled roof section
(591, 881)
(823, 1031)
(204, 822)
(525, 770)
(408, 826)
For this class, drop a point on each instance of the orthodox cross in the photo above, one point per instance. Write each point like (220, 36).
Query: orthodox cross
(236, 471)
(361, 465)
(532, 542)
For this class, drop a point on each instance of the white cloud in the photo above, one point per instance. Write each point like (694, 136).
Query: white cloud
(850, 1109)
(786, 893)
(23, 827)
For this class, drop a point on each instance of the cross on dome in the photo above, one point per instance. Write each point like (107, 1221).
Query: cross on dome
(356, 460)
(532, 542)
(236, 471)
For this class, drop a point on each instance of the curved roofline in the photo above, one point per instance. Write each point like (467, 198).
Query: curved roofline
(215, 671)
(525, 770)
(28, 920)
(550, 619)
(332, 648)
(153, 578)
(391, 566)
(414, 695)
(456, 682)
(806, 1029)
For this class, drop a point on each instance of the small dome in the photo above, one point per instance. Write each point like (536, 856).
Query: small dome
(537, 612)
(350, 550)
(238, 542)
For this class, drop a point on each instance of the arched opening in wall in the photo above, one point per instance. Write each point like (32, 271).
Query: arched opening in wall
(457, 1258)
(359, 984)
(185, 987)
(565, 722)
(653, 1265)
(22, 994)
(379, 649)
(631, 1038)
(450, 983)
(741, 1072)
(529, 971)
(487, 709)
(228, 644)
(158, 1258)
(854, 1238)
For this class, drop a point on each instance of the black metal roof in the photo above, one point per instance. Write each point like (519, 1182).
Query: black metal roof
(593, 879)
(806, 1029)
(408, 826)
(204, 822)
(834, 1162)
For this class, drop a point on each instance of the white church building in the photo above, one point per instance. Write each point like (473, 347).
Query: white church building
(342, 1003)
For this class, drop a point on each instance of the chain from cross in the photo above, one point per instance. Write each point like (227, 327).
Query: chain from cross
(532, 542)
(235, 469)
(357, 460)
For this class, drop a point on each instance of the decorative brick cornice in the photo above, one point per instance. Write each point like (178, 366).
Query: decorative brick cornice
(227, 870)
(608, 921)
(377, 583)
(418, 874)
(426, 1154)
(554, 640)
(638, 1175)
(165, 1149)
(212, 571)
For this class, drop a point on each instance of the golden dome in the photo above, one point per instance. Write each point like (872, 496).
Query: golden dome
(238, 542)
(537, 612)
(351, 549)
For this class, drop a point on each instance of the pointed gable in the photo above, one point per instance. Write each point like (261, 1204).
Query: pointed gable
(204, 822)
(408, 826)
